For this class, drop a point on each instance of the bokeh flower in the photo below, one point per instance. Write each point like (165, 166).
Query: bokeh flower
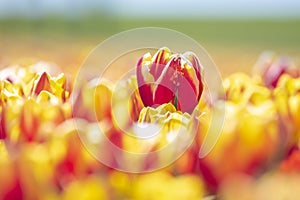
(250, 138)
(31, 103)
(270, 68)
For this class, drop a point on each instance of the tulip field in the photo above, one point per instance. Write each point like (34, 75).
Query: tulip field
(61, 138)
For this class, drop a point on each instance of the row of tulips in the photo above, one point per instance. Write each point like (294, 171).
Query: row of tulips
(44, 122)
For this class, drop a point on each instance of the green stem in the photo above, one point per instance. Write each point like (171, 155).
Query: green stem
(176, 100)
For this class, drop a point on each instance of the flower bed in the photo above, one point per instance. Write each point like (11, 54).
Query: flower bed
(256, 156)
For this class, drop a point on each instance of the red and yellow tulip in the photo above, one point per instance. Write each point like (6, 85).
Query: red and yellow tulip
(170, 78)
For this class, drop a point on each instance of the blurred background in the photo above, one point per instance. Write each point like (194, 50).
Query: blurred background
(64, 31)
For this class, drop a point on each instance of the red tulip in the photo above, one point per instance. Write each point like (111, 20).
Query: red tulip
(170, 78)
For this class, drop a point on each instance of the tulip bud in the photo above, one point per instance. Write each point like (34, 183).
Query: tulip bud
(170, 78)
(54, 85)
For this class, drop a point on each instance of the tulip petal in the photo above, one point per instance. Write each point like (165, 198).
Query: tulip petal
(187, 97)
(159, 61)
(163, 95)
(192, 58)
(195, 63)
(167, 83)
(179, 78)
(29, 120)
(190, 88)
(144, 82)
(43, 83)
(3, 133)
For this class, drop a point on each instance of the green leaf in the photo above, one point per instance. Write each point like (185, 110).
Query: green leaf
(176, 100)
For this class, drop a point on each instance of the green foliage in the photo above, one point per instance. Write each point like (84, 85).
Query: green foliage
(267, 32)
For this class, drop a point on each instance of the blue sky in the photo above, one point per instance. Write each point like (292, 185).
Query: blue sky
(153, 8)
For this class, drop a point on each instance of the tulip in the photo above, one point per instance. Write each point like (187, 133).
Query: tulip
(251, 137)
(277, 69)
(271, 69)
(287, 100)
(56, 86)
(30, 103)
(126, 103)
(92, 101)
(170, 78)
